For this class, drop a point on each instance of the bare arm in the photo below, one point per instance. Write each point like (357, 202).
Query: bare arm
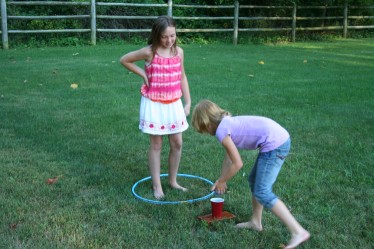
(230, 166)
(129, 59)
(184, 85)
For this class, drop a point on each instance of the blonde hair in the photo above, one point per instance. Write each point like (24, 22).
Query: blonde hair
(207, 114)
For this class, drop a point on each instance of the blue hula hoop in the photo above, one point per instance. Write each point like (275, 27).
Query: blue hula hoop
(171, 202)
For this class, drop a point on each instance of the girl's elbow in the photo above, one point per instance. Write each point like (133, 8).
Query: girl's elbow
(125, 63)
(124, 60)
(239, 165)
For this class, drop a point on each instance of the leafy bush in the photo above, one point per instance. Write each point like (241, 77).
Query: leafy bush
(69, 39)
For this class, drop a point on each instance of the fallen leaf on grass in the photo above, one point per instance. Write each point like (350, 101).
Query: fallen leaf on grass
(51, 181)
(74, 85)
(261, 62)
(305, 61)
(13, 226)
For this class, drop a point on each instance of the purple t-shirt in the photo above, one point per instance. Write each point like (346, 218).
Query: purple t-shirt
(252, 132)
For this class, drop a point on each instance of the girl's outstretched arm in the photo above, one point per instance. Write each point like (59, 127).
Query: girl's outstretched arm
(231, 165)
(129, 59)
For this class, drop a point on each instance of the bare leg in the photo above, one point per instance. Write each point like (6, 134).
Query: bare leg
(154, 160)
(255, 222)
(175, 141)
(299, 234)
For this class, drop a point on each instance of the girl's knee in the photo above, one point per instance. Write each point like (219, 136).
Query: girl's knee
(156, 145)
(265, 199)
(176, 142)
(176, 146)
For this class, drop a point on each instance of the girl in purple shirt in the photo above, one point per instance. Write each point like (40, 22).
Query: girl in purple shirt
(251, 133)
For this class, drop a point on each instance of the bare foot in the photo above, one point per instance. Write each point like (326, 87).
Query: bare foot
(249, 225)
(158, 193)
(297, 239)
(179, 187)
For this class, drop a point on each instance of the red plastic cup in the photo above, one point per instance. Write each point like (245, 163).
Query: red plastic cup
(217, 207)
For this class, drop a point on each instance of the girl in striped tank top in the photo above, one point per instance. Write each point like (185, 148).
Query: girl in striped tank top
(161, 109)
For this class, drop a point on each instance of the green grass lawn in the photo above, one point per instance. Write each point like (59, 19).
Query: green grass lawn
(322, 93)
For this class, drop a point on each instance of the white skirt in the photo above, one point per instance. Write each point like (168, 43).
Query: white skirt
(162, 119)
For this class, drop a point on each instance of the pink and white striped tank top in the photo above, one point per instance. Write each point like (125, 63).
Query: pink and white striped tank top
(164, 77)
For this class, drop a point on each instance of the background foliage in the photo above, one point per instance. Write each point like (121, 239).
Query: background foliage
(79, 38)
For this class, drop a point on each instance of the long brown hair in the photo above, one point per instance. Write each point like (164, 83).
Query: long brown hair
(159, 26)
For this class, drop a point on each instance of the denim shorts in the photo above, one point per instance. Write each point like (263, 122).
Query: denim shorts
(265, 172)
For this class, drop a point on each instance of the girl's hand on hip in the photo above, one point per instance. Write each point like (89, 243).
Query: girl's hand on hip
(146, 81)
